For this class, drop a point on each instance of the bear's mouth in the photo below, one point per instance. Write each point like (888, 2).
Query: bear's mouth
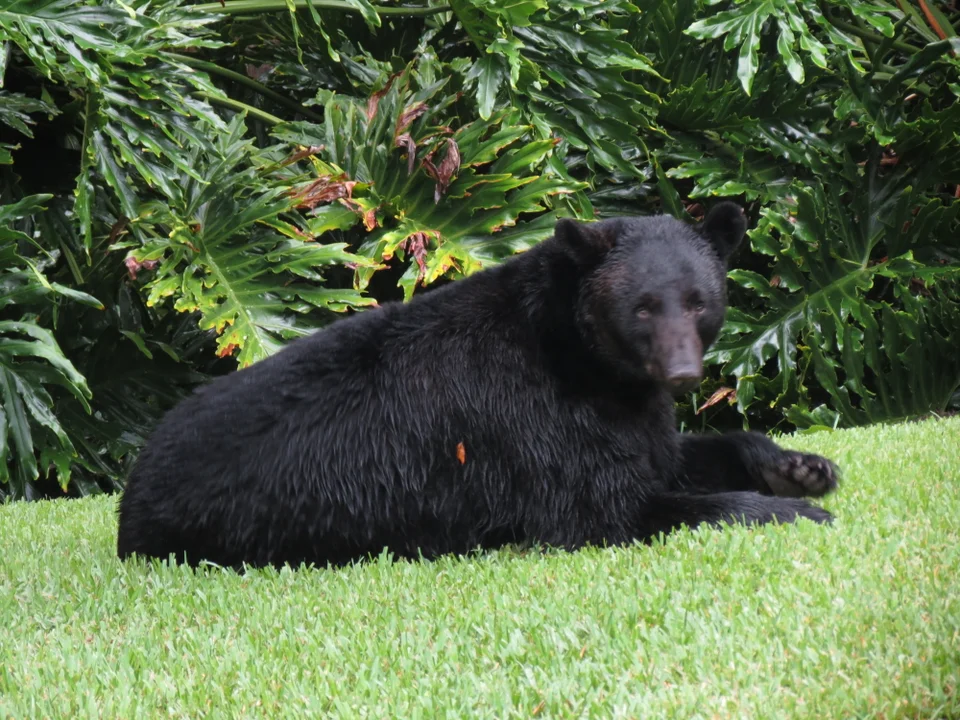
(677, 380)
(683, 385)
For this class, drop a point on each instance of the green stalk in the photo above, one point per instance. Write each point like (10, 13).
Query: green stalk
(886, 43)
(232, 7)
(214, 69)
(867, 35)
(870, 41)
(89, 112)
(240, 107)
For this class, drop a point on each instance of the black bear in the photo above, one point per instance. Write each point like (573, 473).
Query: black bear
(530, 402)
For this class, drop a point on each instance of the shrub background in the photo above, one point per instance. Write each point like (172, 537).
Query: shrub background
(184, 188)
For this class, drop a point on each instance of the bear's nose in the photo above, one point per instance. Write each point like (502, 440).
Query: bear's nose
(685, 380)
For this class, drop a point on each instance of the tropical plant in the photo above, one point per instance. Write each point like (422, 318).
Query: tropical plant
(185, 188)
(850, 168)
(31, 362)
(93, 119)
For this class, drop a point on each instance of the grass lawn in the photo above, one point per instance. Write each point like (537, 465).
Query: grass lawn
(857, 620)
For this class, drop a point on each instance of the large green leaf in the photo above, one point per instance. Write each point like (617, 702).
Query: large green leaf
(876, 335)
(83, 32)
(30, 361)
(743, 25)
(141, 107)
(443, 199)
(16, 109)
(568, 69)
(223, 249)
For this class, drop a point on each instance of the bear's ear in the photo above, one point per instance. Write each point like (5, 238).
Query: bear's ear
(724, 226)
(588, 242)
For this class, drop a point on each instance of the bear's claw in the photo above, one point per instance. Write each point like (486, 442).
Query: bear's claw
(798, 474)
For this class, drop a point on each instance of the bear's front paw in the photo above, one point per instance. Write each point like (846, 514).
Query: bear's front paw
(796, 474)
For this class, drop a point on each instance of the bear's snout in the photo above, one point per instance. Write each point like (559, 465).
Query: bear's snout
(679, 354)
(683, 381)
(685, 378)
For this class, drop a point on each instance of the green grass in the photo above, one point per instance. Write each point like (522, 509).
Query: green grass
(861, 619)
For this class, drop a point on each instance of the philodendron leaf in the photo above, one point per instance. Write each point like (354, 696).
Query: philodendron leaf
(236, 260)
(785, 47)
(744, 24)
(444, 217)
(829, 319)
(567, 70)
(488, 75)
(30, 361)
(85, 35)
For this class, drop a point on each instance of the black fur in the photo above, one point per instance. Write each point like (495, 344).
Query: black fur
(529, 402)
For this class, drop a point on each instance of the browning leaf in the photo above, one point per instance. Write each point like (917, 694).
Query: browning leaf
(369, 215)
(134, 266)
(405, 141)
(118, 227)
(725, 392)
(445, 173)
(370, 219)
(373, 102)
(461, 453)
(303, 153)
(258, 72)
(323, 190)
(416, 245)
(409, 114)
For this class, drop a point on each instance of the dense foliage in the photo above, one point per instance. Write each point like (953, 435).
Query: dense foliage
(184, 188)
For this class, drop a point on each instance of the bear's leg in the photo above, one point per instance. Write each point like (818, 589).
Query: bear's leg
(751, 461)
(149, 541)
(668, 512)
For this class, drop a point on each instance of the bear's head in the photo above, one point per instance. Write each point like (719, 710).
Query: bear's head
(653, 294)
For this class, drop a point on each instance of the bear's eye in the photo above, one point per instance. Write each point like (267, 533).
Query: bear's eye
(645, 308)
(695, 304)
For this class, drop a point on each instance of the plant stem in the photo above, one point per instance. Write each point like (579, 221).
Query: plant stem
(932, 20)
(232, 7)
(89, 112)
(240, 107)
(866, 35)
(241, 79)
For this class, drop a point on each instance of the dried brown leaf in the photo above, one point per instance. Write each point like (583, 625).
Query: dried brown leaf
(416, 245)
(409, 114)
(728, 393)
(134, 266)
(373, 102)
(406, 142)
(325, 189)
(446, 171)
(258, 72)
(303, 153)
(118, 227)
